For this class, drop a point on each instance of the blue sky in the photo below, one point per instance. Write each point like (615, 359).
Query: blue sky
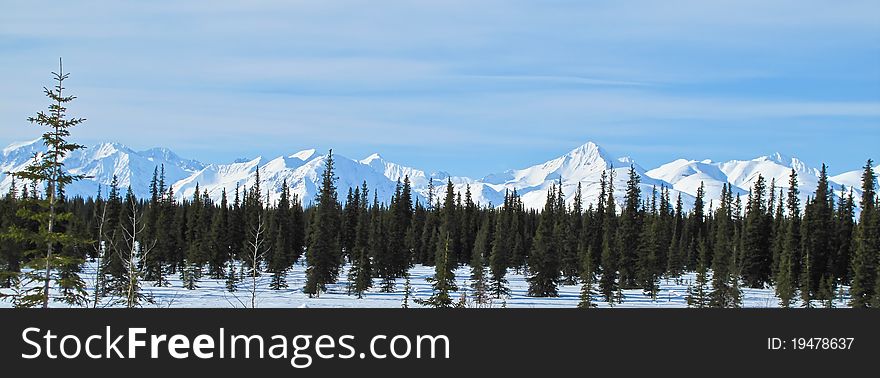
(470, 87)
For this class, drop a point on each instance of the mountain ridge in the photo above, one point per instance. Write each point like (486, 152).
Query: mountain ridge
(302, 171)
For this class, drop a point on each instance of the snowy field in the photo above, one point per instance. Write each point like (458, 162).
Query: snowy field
(213, 294)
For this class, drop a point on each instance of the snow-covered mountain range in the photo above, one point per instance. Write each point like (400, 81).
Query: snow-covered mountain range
(303, 170)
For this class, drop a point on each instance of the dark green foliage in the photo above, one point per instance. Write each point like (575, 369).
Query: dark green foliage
(818, 238)
(698, 293)
(282, 255)
(757, 258)
(544, 258)
(652, 244)
(865, 280)
(502, 244)
(630, 232)
(48, 238)
(324, 254)
(571, 225)
(479, 282)
(443, 281)
(608, 284)
(360, 276)
(725, 291)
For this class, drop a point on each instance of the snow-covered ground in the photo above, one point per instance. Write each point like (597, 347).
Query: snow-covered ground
(213, 294)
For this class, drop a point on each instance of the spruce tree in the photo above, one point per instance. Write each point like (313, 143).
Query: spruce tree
(608, 284)
(450, 223)
(725, 293)
(845, 225)
(324, 255)
(588, 277)
(501, 247)
(647, 272)
(629, 233)
(676, 252)
(571, 236)
(756, 259)
(443, 281)
(360, 275)
(219, 239)
(699, 294)
(867, 243)
(479, 284)
(282, 253)
(48, 169)
(818, 235)
(544, 258)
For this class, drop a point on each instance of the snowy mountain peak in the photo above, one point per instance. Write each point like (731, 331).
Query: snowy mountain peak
(304, 155)
(587, 149)
(108, 148)
(18, 146)
(582, 166)
(373, 157)
(778, 157)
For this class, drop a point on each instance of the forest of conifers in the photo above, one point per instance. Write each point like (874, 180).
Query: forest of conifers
(767, 238)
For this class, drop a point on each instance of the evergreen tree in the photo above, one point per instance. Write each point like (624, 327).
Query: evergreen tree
(647, 271)
(443, 281)
(360, 274)
(698, 294)
(845, 225)
(629, 234)
(867, 243)
(571, 236)
(281, 257)
(588, 277)
(818, 236)
(501, 247)
(756, 260)
(49, 169)
(11, 250)
(608, 283)
(450, 224)
(788, 276)
(676, 253)
(478, 268)
(113, 264)
(324, 254)
(725, 292)
(219, 239)
(544, 259)
(153, 265)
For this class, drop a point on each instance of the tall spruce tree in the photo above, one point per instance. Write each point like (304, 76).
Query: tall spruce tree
(647, 272)
(479, 282)
(499, 258)
(48, 169)
(360, 276)
(571, 229)
(818, 237)
(629, 233)
(756, 259)
(608, 284)
(725, 292)
(867, 243)
(324, 254)
(281, 256)
(544, 259)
